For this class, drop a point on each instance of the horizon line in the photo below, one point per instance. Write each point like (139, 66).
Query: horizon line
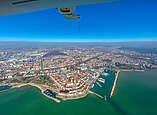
(85, 41)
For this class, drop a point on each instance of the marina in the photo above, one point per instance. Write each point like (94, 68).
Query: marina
(50, 94)
(5, 87)
(104, 84)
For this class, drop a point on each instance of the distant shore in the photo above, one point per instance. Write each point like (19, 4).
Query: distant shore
(130, 70)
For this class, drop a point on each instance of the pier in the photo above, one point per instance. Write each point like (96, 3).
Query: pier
(114, 84)
(101, 80)
(55, 99)
(96, 94)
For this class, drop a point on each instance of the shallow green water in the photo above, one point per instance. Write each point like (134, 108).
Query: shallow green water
(136, 94)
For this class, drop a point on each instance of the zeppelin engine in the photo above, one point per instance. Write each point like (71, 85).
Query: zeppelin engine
(68, 12)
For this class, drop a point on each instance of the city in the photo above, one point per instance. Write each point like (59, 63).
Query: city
(70, 72)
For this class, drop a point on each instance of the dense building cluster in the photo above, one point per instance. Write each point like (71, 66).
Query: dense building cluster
(19, 62)
(71, 70)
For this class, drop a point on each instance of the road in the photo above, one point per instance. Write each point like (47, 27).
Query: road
(74, 65)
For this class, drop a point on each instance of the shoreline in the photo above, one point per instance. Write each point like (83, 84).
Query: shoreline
(42, 89)
(4, 90)
(39, 87)
(72, 98)
(130, 70)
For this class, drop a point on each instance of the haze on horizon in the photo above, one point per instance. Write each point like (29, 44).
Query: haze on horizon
(124, 20)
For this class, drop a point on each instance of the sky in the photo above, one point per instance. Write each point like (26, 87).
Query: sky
(124, 20)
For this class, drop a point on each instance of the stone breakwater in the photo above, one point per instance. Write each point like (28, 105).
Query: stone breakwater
(114, 84)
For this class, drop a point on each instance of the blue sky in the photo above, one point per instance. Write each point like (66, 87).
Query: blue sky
(125, 20)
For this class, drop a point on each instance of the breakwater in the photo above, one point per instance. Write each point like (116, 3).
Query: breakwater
(114, 85)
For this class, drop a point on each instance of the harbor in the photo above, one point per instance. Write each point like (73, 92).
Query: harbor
(5, 87)
(52, 95)
(103, 87)
(91, 103)
(105, 84)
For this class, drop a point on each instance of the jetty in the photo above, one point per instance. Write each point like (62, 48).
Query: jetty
(114, 84)
(91, 92)
(55, 99)
(101, 80)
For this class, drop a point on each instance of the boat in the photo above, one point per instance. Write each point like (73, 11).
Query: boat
(101, 80)
(105, 74)
(93, 85)
(98, 84)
